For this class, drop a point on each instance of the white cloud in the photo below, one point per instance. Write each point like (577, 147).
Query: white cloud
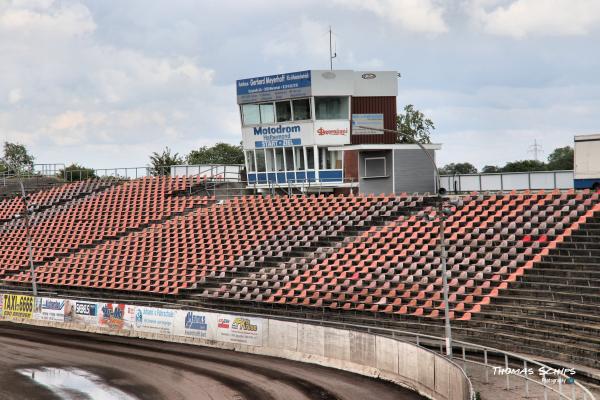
(45, 18)
(92, 93)
(14, 96)
(494, 125)
(522, 18)
(422, 16)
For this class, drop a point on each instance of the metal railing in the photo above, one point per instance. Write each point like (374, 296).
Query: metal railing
(36, 171)
(430, 341)
(478, 355)
(225, 172)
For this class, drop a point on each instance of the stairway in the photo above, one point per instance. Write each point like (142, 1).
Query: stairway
(554, 308)
(259, 266)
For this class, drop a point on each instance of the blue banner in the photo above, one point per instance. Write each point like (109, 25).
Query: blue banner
(274, 87)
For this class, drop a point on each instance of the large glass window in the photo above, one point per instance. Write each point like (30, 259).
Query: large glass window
(279, 158)
(270, 160)
(267, 113)
(310, 158)
(322, 157)
(289, 159)
(301, 109)
(260, 160)
(250, 159)
(334, 159)
(299, 158)
(250, 114)
(329, 159)
(283, 109)
(331, 107)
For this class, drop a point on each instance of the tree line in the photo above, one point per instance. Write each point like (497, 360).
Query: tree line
(562, 158)
(412, 125)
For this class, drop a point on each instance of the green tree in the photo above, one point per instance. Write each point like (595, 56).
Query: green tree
(159, 162)
(16, 158)
(458, 168)
(76, 172)
(220, 153)
(413, 123)
(524, 166)
(490, 169)
(561, 158)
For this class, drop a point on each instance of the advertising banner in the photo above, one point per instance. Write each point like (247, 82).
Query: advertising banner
(332, 132)
(235, 329)
(1, 302)
(279, 135)
(115, 316)
(155, 320)
(274, 87)
(17, 306)
(366, 121)
(47, 309)
(86, 313)
(196, 324)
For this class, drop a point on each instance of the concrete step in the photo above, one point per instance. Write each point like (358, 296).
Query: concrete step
(563, 272)
(565, 280)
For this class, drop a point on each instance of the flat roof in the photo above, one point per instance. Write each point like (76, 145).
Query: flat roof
(582, 138)
(399, 146)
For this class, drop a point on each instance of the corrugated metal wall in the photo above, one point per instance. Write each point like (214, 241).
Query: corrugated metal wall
(376, 105)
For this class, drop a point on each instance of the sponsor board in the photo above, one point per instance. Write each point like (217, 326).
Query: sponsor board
(155, 320)
(362, 122)
(236, 329)
(274, 87)
(48, 309)
(332, 132)
(1, 302)
(86, 313)
(115, 315)
(17, 306)
(196, 324)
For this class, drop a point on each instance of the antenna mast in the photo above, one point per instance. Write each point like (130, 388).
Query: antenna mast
(535, 148)
(332, 53)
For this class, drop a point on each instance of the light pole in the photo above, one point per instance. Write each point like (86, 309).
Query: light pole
(17, 171)
(28, 234)
(442, 238)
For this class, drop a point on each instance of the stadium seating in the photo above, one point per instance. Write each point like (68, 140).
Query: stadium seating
(520, 266)
(56, 195)
(90, 220)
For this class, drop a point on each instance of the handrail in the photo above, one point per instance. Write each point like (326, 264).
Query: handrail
(417, 337)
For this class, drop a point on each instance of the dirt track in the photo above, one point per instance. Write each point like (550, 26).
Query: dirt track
(157, 370)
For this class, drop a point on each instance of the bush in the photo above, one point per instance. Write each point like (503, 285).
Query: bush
(76, 172)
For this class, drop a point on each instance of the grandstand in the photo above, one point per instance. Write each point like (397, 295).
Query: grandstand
(523, 268)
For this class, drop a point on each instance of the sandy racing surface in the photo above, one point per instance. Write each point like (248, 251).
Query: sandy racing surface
(141, 369)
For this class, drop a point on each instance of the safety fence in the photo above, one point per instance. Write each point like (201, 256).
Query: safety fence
(507, 181)
(403, 363)
(253, 331)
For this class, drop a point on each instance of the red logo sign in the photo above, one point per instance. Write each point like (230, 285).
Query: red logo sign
(223, 323)
(332, 132)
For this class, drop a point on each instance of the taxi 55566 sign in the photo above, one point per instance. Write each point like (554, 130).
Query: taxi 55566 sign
(17, 306)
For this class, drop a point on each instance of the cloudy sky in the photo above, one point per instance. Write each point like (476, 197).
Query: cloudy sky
(105, 83)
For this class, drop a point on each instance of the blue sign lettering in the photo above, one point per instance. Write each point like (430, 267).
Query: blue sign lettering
(197, 322)
(259, 130)
(272, 87)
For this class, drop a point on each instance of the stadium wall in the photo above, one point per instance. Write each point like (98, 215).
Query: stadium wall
(405, 364)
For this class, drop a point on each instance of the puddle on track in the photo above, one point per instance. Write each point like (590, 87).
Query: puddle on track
(74, 384)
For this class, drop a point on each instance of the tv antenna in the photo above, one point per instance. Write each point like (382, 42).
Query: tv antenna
(332, 50)
(536, 149)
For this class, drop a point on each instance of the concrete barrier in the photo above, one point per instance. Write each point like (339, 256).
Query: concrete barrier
(405, 364)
